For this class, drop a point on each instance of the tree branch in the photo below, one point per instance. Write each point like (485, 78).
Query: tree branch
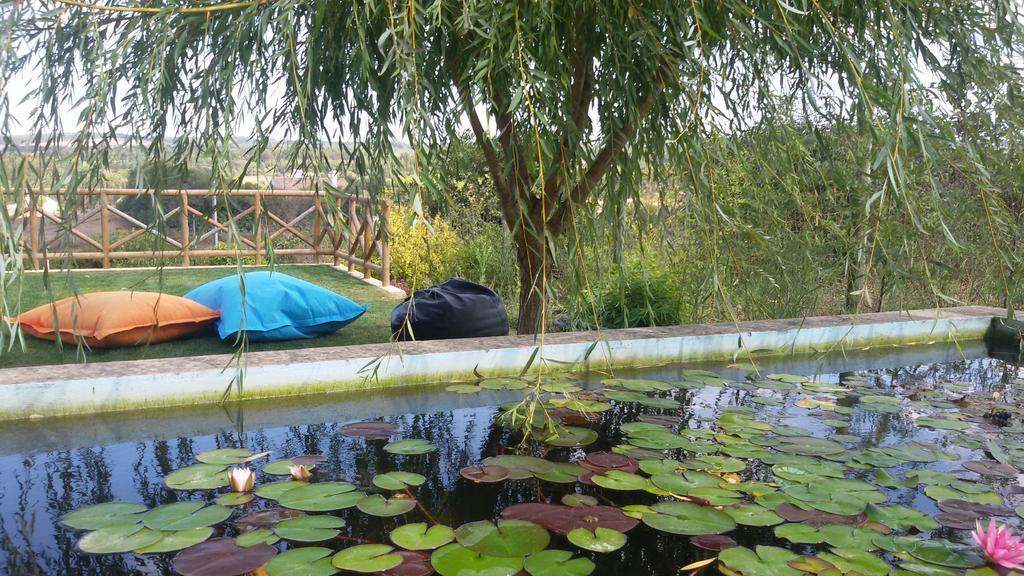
(603, 161)
(581, 94)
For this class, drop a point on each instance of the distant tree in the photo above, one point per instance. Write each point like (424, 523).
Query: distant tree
(572, 103)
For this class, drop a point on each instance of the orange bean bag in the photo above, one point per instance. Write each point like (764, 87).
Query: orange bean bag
(117, 319)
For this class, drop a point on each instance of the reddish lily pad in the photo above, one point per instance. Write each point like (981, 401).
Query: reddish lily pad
(266, 518)
(713, 542)
(369, 430)
(413, 564)
(991, 468)
(815, 518)
(222, 557)
(601, 462)
(564, 519)
(485, 474)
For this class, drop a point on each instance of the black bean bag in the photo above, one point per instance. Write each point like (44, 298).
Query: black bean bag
(454, 309)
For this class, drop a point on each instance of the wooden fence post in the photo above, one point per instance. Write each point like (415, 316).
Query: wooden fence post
(258, 227)
(105, 229)
(385, 248)
(353, 222)
(316, 227)
(183, 223)
(33, 230)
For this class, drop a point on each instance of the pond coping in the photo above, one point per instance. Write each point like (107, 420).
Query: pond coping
(42, 391)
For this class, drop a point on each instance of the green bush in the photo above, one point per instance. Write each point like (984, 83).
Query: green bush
(421, 254)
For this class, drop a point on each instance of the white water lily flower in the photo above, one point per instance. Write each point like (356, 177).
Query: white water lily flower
(242, 479)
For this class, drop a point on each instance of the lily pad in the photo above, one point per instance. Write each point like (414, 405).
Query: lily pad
(619, 480)
(275, 490)
(712, 542)
(570, 436)
(369, 430)
(463, 388)
(457, 560)
(224, 456)
(377, 505)
(310, 561)
(688, 519)
(410, 447)
(266, 518)
(118, 538)
(557, 563)
(235, 498)
(762, 561)
(309, 528)
(484, 474)
(367, 558)
(398, 480)
(185, 516)
(506, 538)
(256, 537)
(103, 515)
(222, 557)
(602, 540)
(563, 519)
(198, 477)
(283, 467)
(753, 515)
(420, 536)
(322, 497)
(179, 540)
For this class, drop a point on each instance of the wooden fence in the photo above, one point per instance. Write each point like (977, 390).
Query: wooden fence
(351, 229)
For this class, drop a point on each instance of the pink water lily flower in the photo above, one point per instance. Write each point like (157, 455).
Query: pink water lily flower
(242, 479)
(1000, 545)
(299, 473)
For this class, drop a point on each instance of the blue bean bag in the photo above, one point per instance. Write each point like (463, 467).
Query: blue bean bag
(277, 307)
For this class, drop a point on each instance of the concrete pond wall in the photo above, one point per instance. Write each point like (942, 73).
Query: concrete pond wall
(39, 392)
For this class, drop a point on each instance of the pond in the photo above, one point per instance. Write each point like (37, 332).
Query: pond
(853, 463)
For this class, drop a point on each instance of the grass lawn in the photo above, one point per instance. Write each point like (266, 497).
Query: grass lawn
(374, 326)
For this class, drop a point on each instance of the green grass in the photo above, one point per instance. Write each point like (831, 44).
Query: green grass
(33, 290)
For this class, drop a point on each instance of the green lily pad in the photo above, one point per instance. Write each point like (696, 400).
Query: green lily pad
(367, 558)
(310, 561)
(377, 505)
(943, 554)
(275, 490)
(257, 537)
(688, 519)
(103, 515)
(185, 516)
(282, 467)
(463, 388)
(762, 561)
(575, 499)
(602, 540)
(800, 533)
(235, 498)
(309, 528)
(851, 560)
(118, 539)
(753, 515)
(322, 497)
(178, 540)
(410, 447)
(224, 456)
(941, 424)
(457, 560)
(901, 518)
(420, 536)
(619, 480)
(505, 539)
(398, 480)
(503, 384)
(557, 563)
(571, 436)
(198, 477)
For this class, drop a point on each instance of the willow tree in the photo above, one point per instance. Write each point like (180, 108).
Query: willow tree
(573, 103)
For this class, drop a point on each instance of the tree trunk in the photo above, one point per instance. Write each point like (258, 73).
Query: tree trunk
(535, 265)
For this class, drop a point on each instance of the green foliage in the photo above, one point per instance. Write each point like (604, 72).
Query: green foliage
(422, 253)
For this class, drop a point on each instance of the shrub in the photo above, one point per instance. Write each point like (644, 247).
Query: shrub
(421, 254)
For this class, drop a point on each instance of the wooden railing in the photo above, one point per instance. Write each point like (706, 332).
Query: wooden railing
(352, 229)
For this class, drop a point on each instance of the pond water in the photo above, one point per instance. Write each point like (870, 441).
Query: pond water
(827, 442)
